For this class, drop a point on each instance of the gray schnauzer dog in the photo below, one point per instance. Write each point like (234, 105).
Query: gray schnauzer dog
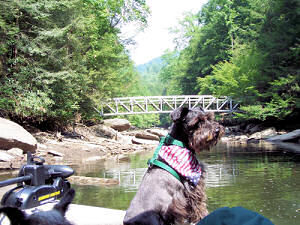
(173, 188)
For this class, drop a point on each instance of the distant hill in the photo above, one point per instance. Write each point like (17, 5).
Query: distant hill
(153, 66)
(150, 76)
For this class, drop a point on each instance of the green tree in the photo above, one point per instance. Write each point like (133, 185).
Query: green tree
(59, 57)
(264, 76)
(245, 49)
(212, 35)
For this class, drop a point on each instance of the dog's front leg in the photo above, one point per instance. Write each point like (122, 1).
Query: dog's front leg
(151, 204)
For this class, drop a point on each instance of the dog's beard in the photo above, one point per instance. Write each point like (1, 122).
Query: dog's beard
(205, 136)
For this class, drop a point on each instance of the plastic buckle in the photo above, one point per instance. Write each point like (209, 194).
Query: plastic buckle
(168, 140)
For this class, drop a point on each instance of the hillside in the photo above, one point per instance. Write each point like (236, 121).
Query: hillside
(150, 76)
(153, 66)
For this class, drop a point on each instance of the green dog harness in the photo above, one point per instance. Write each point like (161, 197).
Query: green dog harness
(168, 140)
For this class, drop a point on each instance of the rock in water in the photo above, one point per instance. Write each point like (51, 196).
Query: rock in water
(293, 136)
(96, 181)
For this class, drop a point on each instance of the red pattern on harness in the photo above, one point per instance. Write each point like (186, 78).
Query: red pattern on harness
(183, 161)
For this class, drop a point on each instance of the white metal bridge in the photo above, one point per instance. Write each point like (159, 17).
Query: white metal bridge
(165, 104)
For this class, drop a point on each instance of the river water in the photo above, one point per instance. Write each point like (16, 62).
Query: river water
(257, 178)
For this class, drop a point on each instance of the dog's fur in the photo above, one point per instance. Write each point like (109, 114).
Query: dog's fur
(56, 216)
(161, 198)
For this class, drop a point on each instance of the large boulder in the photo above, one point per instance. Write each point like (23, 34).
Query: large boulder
(293, 136)
(15, 152)
(123, 138)
(117, 124)
(4, 157)
(12, 135)
(264, 134)
(253, 128)
(158, 132)
(104, 131)
(147, 135)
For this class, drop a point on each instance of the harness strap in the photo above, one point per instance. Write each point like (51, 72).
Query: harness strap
(153, 161)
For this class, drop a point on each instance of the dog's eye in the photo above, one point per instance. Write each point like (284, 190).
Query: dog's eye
(194, 126)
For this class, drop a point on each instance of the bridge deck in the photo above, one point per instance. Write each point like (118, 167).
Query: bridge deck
(166, 104)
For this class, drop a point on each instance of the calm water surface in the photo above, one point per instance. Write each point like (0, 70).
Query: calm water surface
(262, 180)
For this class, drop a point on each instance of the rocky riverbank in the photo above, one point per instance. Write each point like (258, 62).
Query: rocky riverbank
(267, 137)
(111, 140)
(80, 144)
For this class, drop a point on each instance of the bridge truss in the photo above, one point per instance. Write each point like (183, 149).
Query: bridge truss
(166, 104)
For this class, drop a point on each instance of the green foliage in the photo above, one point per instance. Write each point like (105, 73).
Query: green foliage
(58, 57)
(172, 74)
(238, 77)
(212, 34)
(144, 120)
(149, 77)
(248, 50)
(149, 85)
(277, 108)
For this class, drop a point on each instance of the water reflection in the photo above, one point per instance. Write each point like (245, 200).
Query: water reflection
(254, 177)
(219, 175)
(129, 180)
(129, 177)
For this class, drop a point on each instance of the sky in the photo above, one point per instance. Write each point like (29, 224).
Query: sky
(156, 39)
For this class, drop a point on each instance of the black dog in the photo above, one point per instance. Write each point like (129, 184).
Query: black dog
(164, 198)
(56, 216)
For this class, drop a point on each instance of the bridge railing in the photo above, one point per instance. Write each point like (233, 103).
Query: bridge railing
(165, 104)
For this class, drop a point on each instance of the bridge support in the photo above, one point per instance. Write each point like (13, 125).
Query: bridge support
(165, 104)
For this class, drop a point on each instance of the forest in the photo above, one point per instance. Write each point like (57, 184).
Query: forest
(246, 49)
(59, 59)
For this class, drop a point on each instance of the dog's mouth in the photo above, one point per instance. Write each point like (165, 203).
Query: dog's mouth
(205, 138)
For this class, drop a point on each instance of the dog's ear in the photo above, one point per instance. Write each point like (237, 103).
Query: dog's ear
(15, 215)
(64, 203)
(201, 116)
(179, 113)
